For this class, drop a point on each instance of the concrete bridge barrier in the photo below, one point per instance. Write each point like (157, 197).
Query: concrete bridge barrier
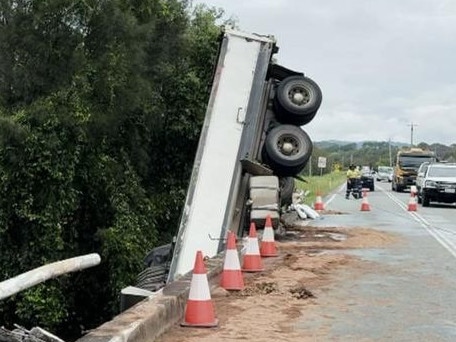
(153, 316)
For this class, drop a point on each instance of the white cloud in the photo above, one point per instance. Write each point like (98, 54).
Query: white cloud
(381, 64)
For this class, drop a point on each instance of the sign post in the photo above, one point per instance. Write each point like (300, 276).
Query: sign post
(321, 164)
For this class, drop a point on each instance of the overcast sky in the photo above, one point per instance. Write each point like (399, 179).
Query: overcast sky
(381, 64)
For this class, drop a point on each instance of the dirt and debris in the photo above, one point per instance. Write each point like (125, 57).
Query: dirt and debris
(20, 334)
(262, 288)
(331, 212)
(300, 292)
(289, 288)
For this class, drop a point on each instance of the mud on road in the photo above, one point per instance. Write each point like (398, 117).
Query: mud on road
(274, 300)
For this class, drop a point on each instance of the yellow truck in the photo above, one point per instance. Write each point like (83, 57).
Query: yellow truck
(407, 163)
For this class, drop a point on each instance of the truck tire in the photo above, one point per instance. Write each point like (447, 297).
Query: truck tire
(297, 100)
(286, 150)
(396, 187)
(286, 185)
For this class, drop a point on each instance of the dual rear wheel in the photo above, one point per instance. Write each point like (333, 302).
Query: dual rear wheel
(287, 147)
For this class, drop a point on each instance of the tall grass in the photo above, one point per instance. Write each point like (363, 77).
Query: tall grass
(321, 185)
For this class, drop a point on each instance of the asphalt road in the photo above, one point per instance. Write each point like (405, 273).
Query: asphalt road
(409, 294)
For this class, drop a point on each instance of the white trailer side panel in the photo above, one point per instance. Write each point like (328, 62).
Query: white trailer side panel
(202, 222)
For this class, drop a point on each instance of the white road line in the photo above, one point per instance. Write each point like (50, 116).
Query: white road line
(331, 198)
(435, 233)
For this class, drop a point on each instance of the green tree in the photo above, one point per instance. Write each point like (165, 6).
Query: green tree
(101, 104)
(39, 43)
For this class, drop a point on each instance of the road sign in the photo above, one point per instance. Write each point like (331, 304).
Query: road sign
(322, 162)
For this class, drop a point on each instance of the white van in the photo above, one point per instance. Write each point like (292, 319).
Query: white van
(385, 173)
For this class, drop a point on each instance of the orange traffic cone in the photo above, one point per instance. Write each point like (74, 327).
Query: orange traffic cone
(252, 259)
(232, 278)
(268, 246)
(365, 204)
(412, 202)
(199, 311)
(318, 205)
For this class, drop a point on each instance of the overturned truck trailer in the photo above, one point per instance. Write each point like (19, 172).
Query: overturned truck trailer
(251, 146)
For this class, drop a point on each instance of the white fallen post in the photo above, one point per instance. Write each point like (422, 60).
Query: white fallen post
(38, 275)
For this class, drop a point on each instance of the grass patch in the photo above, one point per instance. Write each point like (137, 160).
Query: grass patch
(322, 185)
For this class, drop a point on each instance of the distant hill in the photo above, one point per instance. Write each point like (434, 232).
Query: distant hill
(324, 144)
(332, 143)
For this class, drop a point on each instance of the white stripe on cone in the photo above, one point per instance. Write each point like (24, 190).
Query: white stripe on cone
(252, 247)
(199, 288)
(231, 260)
(268, 235)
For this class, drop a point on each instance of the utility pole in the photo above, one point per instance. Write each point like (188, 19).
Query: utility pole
(390, 159)
(411, 132)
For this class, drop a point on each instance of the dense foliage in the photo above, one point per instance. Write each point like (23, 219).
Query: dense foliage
(101, 103)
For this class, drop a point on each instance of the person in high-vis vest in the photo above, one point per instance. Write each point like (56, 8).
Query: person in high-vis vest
(352, 182)
(359, 184)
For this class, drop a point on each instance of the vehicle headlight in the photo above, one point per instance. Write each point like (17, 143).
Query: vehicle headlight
(430, 184)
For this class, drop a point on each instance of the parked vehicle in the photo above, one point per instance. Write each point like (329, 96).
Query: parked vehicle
(420, 177)
(385, 173)
(367, 180)
(407, 163)
(437, 183)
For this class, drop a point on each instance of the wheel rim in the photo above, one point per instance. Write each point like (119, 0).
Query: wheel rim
(288, 145)
(299, 96)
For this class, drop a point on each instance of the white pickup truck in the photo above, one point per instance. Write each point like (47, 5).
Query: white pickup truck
(436, 182)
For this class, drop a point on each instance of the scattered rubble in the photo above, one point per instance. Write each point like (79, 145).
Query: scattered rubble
(20, 334)
(301, 292)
